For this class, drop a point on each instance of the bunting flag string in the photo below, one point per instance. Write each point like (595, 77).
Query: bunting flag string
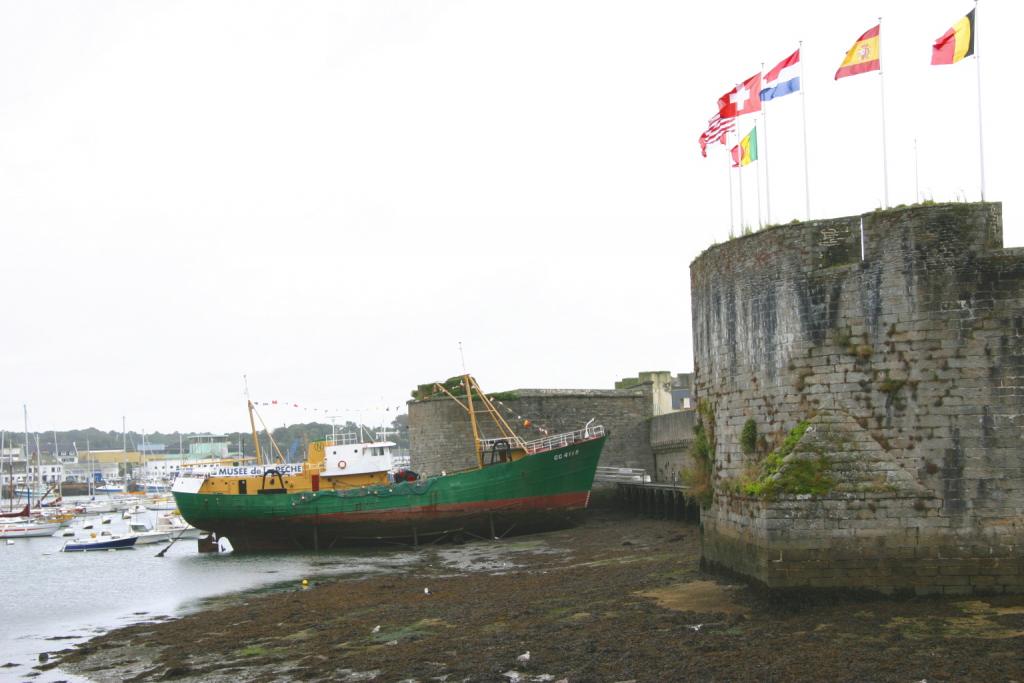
(326, 411)
(524, 421)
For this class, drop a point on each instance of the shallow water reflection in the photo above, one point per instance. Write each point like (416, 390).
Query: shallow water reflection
(53, 600)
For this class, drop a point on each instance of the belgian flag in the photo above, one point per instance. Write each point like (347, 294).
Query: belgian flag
(956, 43)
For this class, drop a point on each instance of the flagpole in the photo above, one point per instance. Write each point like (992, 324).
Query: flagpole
(732, 209)
(885, 150)
(917, 182)
(767, 179)
(739, 172)
(981, 142)
(803, 112)
(757, 178)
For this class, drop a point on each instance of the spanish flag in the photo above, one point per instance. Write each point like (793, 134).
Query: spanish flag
(746, 151)
(956, 43)
(864, 56)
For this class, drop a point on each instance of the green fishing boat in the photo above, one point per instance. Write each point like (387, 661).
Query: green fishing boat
(348, 491)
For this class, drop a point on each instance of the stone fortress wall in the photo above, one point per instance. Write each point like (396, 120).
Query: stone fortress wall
(440, 437)
(908, 363)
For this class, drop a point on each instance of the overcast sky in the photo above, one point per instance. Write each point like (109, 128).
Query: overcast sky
(328, 196)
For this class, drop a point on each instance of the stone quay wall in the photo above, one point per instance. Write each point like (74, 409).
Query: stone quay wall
(904, 349)
(671, 439)
(440, 436)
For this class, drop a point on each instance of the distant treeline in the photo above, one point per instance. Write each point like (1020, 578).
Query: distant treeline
(293, 437)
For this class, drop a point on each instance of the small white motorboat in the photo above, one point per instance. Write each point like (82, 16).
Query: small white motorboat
(176, 525)
(96, 507)
(145, 534)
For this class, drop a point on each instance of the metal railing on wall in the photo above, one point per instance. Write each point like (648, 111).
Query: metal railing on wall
(622, 474)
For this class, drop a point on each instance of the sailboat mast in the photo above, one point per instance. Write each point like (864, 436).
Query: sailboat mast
(60, 471)
(10, 467)
(145, 461)
(88, 458)
(28, 481)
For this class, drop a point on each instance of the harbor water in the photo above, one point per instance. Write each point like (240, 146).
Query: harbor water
(53, 600)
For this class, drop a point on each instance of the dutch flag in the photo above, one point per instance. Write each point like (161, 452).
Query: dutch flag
(783, 79)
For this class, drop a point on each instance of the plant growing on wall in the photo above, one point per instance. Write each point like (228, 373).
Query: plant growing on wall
(698, 477)
(802, 475)
(748, 437)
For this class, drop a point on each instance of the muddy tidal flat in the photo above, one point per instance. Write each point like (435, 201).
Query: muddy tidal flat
(618, 598)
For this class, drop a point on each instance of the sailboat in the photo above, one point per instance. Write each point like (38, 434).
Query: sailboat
(24, 512)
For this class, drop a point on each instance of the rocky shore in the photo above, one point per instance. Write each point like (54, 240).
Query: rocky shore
(618, 598)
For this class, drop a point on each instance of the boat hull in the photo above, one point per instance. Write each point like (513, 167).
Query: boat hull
(111, 544)
(150, 537)
(542, 490)
(28, 529)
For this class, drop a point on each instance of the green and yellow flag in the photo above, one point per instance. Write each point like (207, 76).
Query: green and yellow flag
(746, 151)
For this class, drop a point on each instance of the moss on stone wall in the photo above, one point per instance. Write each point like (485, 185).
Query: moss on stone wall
(784, 472)
(748, 437)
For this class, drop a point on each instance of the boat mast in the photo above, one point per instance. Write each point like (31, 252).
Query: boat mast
(60, 473)
(145, 458)
(10, 466)
(255, 437)
(502, 426)
(467, 380)
(499, 421)
(28, 481)
(124, 454)
(88, 459)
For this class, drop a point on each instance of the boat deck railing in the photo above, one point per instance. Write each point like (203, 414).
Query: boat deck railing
(548, 442)
(344, 439)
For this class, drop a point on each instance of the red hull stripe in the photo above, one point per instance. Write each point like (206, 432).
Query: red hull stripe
(564, 501)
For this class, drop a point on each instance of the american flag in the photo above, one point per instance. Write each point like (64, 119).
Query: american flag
(718, 128)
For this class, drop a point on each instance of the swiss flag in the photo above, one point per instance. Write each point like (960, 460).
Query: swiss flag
(743, 99)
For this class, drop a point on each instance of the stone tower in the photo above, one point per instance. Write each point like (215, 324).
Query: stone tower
(881, 358)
